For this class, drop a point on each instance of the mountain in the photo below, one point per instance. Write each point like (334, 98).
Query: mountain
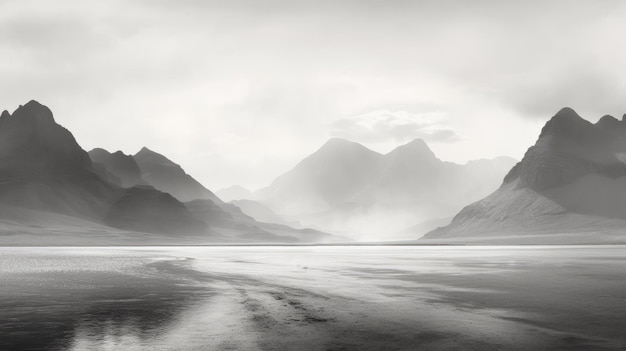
(119, 168)
(47, 179)
(219, 221)
(570, 187)
(145, 209)
(336, 172)
(42, 167)
(262, 213)
(165, 175)
(52, 193)
(346, 187)
(420, 229)
(234, 192)
(235, 226)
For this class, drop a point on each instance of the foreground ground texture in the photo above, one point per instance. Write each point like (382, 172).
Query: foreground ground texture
(313, 298)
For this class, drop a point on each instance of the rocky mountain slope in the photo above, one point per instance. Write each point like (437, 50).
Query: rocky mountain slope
(570, 187)
(51, 193)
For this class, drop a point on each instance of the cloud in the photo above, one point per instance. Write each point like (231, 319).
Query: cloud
(261, 84)
(400, 126)
(587, 88)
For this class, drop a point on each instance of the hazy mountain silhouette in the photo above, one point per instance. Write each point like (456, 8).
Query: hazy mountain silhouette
(232, 222)
(123, 168)
(572, 181)
(345, 186)
(262, 213)
(325, 179)
(226, 222)
(224, 218)
(52, 193)
(169, 177)
(234, 192)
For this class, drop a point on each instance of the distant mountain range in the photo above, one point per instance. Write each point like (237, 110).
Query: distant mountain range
(570, 187)
(52, 192)
(349, 188)
(234, 192)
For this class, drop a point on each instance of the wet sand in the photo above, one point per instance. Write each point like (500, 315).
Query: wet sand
(327, 298)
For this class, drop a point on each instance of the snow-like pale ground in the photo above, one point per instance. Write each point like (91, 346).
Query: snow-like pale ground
(314, 298)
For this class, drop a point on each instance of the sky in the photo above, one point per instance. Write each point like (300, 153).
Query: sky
(239, 91)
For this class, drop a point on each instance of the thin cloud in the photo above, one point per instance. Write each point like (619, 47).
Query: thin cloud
(182, 75)
(400, 126)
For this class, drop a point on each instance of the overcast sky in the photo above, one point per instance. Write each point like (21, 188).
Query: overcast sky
(238, 91)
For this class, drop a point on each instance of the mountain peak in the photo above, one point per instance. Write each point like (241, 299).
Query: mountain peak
(566, 112)
(339, 142)
(167, 176)
(99, 155)
(566, 123)
(336, 146)
(99, 149)
(34, 104)
(148, 153)
(608, 122)
(416, 148)
(34, 144)
(32, 112)
(118, 167)
(417, 143)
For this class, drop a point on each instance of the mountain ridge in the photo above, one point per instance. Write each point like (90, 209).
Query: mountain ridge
(570, 180)
(168, 176)
(345, 181)
(52, 193)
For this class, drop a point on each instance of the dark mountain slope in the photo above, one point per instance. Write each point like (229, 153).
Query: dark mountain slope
(43, 168)
(46, 177)
(123, 167)
(165, 175)
(145, 209)
(572, 181)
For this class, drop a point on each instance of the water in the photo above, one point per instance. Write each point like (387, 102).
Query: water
(313, 298)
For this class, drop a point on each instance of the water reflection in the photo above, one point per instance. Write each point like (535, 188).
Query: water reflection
(93, 309)
(284, 298)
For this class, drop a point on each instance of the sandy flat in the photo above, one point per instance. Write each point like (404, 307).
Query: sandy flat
(343, 298)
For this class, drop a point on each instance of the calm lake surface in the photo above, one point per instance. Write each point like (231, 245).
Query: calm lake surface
(313, 298)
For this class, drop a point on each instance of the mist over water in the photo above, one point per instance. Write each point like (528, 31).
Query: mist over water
(350, 298)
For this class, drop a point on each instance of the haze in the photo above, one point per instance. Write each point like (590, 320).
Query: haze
(239, 91)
